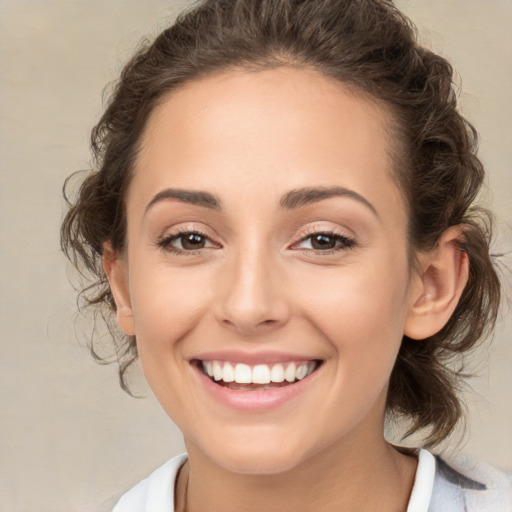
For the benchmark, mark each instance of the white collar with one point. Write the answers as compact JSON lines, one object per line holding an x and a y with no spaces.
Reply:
{"x":423,"y":482}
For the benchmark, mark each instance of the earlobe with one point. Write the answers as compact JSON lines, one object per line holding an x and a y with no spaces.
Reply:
{"x":442,"y":277}
{"x":115,"y":268}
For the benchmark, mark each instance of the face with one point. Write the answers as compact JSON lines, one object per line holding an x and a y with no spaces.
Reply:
{"x":266,"y":247}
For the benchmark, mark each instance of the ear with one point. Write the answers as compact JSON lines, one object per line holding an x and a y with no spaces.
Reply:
{"x":116,"y":270}
{"x":438,"y":286}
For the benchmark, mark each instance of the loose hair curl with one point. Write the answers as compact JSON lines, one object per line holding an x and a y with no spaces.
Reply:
{"x":371,"y":47}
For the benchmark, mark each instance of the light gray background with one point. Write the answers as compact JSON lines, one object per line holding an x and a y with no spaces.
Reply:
{"x":70,"y":439}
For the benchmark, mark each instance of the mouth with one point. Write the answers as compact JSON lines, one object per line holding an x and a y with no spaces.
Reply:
{"x":244,"y":377}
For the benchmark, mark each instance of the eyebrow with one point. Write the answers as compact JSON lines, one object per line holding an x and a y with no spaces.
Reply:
{"x":194,"y":197}
{"x":291,"y":200}
{"x":303,"y":196}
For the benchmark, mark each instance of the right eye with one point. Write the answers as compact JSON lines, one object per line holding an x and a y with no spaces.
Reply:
{"x":186,"y":242}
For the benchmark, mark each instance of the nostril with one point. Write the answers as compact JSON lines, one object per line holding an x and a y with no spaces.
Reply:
{"x":250,"y":326}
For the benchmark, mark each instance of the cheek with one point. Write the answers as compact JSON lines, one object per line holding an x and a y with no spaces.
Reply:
{"x":360,"y":308}
{"x":166,"y":305}
{"x":359,"y":313}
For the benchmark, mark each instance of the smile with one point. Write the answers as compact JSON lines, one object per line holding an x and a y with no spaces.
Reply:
{"x":242,"y":376}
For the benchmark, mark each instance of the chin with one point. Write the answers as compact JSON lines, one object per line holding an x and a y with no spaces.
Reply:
{"x":259,"y":463}
{"x":261,"y":455}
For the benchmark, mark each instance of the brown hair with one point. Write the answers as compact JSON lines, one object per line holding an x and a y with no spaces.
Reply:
{"x":370,"y":46}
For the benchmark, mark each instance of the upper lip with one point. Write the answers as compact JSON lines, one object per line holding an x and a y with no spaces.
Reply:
{"x":252,"y":358}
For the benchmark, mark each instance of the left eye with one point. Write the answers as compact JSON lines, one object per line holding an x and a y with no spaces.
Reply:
{"x":325,"y":242}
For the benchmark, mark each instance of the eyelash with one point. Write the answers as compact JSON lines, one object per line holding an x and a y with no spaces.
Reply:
{"x":165,"y":243}
{"x":343,"y":242}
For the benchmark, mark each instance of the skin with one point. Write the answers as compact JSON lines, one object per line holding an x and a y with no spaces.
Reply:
{"x":258,"y":284}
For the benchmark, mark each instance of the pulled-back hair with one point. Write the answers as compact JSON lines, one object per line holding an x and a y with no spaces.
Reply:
{"x":371,"y":47}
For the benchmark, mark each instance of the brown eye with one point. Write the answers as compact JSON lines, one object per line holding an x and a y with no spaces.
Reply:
{"x":191,"y":241}
{"x":323,"y":242}
{"x":186,"y":242}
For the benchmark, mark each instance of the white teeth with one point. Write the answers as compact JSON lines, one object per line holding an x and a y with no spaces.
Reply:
{"x":302,"y":371}
{"x":217,"y":370}
{"x":289,"y":373}
{"x":258,"y":374}
{"x":261,"y":374}
{"x":277,"y":373}
{"x":228,"y":373}
{"x":243,"y":374}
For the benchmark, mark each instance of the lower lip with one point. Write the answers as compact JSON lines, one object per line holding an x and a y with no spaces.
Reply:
{"x":255,"y":400}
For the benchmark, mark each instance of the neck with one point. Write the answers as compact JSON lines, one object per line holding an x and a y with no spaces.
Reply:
{"x":346,"y":477}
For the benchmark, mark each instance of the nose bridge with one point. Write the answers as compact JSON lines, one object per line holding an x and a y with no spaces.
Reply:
{"x":253,"y":298}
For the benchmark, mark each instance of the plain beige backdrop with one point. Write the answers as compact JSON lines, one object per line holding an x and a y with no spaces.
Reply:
{"x":70,"y":439}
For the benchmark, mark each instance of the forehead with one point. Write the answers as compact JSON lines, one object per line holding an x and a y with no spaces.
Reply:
{"x":276,"y":129}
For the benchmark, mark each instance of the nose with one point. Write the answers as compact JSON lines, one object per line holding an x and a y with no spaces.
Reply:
{"x":253,"y":297}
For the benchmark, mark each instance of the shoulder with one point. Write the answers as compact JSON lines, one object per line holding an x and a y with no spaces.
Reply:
{"x":466,"y":484}
{"x":155,"y":493}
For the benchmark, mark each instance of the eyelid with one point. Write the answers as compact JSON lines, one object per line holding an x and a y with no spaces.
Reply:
{"x":322,"y":228}
{"x":186,"y":226}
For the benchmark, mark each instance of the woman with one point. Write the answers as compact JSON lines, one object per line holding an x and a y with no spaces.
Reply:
{"x":282,"y":220}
